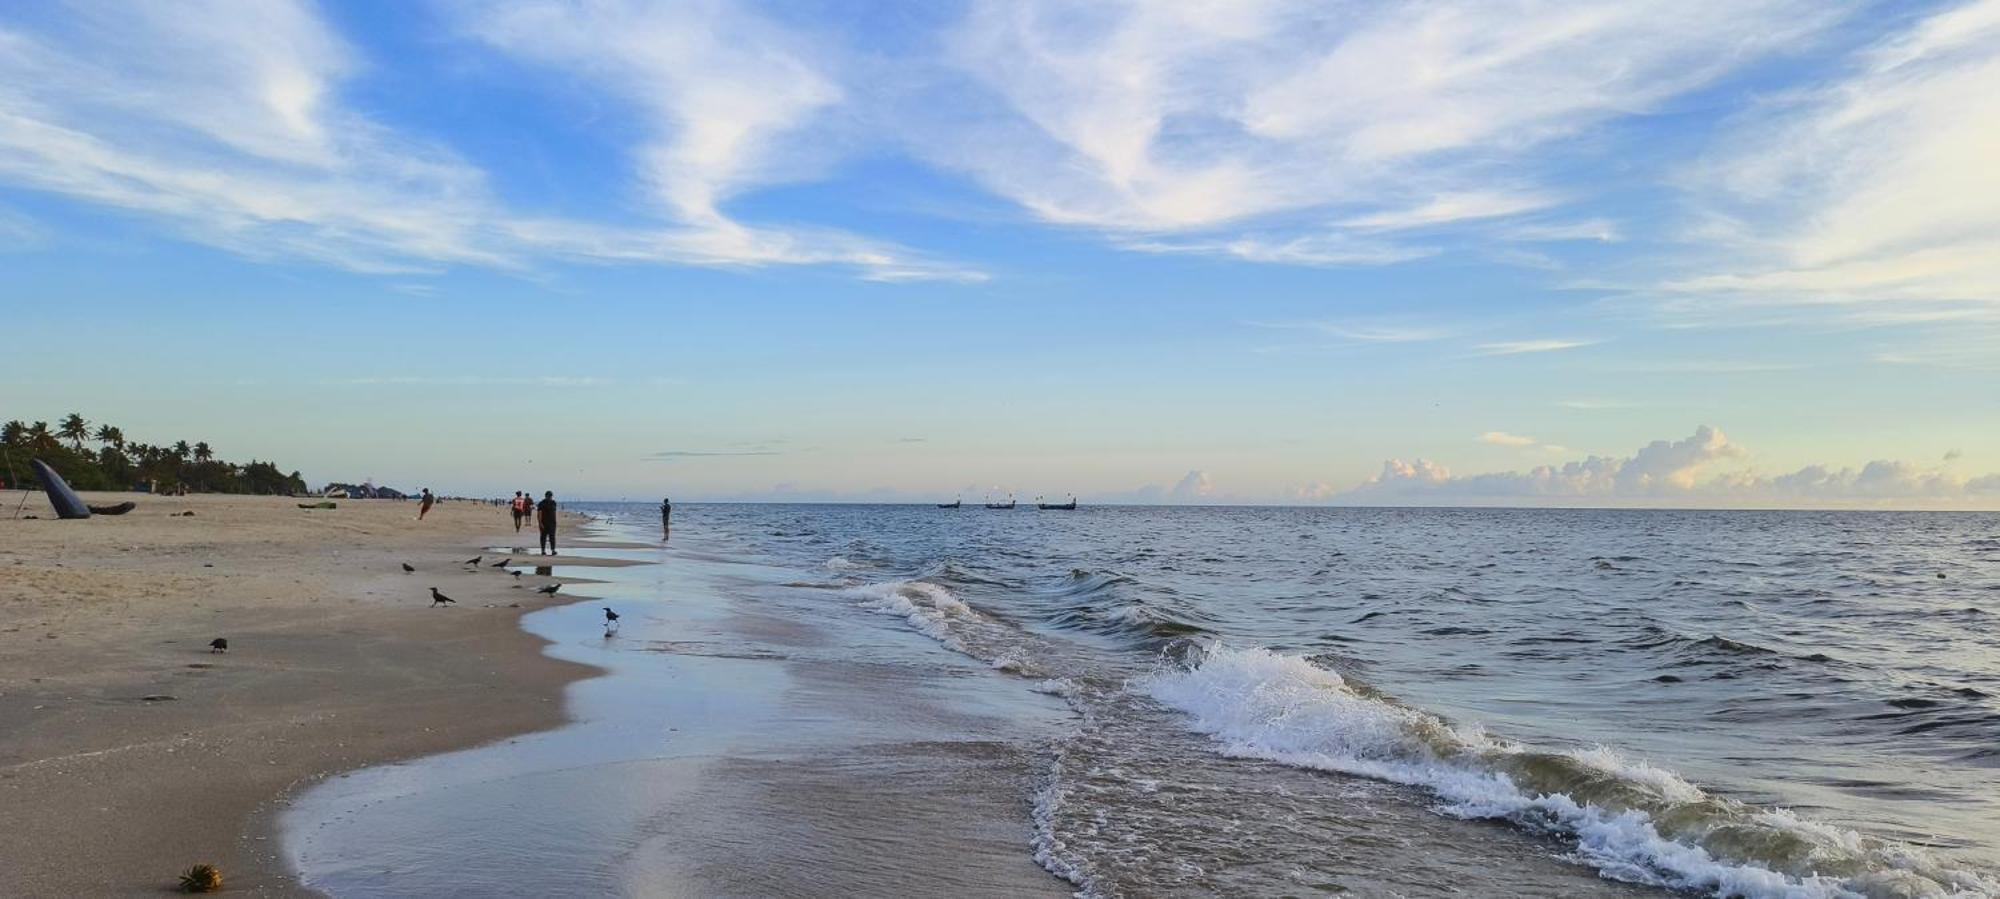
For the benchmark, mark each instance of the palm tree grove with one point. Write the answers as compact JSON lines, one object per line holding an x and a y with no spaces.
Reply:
{"x":115,"y":464}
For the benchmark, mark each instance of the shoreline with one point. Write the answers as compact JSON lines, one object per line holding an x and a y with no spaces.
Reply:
{"x":128,"y":751}
{"x":747,"y":739}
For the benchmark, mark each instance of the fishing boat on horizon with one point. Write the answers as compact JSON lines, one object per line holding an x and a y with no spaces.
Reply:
{"x":1060,"y":507}
{"x":1009,"y":504}
{"x":952,"y":505}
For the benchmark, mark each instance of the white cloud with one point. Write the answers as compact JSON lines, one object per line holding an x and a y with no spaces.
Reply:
{"x":1518,"y":347}
{"x":1690,"y":470}
{"x":1877,"y":188}
{"x":1449,"y":208}
{"x":1195,"y":485}
{"x":1502,"y":438}
{"x":1209,"y":120}
{"x":224,"y":119}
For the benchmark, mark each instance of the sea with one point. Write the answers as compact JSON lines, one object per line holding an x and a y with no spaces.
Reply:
{"x":1197,"y":701}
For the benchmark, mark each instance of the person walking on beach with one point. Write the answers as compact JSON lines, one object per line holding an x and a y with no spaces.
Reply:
{"x":424,"y":507}
{"x":666,"y":520}
{"x":546,"y":511}
{"x":520,"y":507}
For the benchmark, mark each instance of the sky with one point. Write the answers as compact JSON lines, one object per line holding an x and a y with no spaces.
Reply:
{"x":1686,"y":253}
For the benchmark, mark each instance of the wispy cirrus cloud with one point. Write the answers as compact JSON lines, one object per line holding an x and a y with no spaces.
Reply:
{"x":225,"y":121}
{"x":1870,"y":194}
{"x":1264,"y":131}
{"x":1520,"y":347}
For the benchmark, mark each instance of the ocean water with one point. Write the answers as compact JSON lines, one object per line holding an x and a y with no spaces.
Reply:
{"x":1198,"y":701}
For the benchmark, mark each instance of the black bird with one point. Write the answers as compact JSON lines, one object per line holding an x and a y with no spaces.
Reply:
{"x":219,"y":644}
{"x":472,"y":561}
{"x":550,"y":589}
{"x":439,"y":599}
{"x":406,"y":568}
{"x":610,"y":618}
{"x":515,"y":573}
{"x":501,"y":564}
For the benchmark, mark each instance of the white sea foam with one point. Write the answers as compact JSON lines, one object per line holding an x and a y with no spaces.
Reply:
{"x":1260,"y":704}
{"x":840,"y":563}
{"x":929,"y":608}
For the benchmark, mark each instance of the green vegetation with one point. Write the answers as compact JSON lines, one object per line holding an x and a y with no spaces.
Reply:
{"x":118,"y":465}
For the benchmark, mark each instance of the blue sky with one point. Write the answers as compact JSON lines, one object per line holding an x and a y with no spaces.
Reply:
{"x":1741,"y":253}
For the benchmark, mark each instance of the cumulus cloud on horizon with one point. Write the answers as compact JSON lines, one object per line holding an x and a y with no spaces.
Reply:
{"x":1689,"y":469}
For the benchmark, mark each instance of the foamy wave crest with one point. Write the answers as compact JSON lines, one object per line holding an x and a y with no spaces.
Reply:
{"x":840,"y":563}
{"x":1632,"y":821}
{"x":928,"y":607}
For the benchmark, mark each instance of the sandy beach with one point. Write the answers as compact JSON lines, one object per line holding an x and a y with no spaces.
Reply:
{"x":129,"y":751}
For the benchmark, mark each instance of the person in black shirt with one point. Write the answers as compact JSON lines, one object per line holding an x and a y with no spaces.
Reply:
{"x":545,"y":514}
{"x":666,"y":520}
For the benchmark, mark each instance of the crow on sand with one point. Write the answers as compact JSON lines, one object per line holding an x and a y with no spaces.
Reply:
{"x":407,"y":569}
{"x":439,"y":599}
{"x":610,"y":618}
{"x":501,"y":564}
{"x":472,"y":561}
{"x":550,"y":589}
{"x":219,"y":644}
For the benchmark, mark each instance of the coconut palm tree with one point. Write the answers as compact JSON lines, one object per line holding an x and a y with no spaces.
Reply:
{"x":111,"y":436}
{"x":179,"y":450}
{"x":75,"y":430}
{"x":14,"y":433}
{"x":202,"y":453}
{"x":41,"y":439}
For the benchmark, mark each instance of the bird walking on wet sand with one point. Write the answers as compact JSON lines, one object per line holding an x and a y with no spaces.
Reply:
{"x":219,"y":644}
{"x":407,"y":568}
{"x":502,"y":563}
{"x":439,"y":599}
{"x":473,"y":561}
{"x":610,"y":618}
{"x":550,"y":589}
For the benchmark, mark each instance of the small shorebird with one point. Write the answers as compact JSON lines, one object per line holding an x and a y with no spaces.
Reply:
{"x":439,"y":599}
{"x":501,"y":564}
{"x":550,"y":589}
{"x":219,"y":644}
{"x":407,"y":569}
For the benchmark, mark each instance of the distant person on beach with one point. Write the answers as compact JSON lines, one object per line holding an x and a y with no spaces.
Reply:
{"x":424,"y":507}
{"x":666,"y":520}
{"x":520,"y":507}
{"x":546,"y":511}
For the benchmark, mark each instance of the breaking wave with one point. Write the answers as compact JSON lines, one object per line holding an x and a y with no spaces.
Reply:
{"x":1632,"y":821}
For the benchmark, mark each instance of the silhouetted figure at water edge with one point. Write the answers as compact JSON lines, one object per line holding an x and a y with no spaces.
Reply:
{"x":545,"y":512}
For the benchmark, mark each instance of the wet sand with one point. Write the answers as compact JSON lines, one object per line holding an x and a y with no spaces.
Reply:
{"x":742,"y":744}
{"x":129,"y":751}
